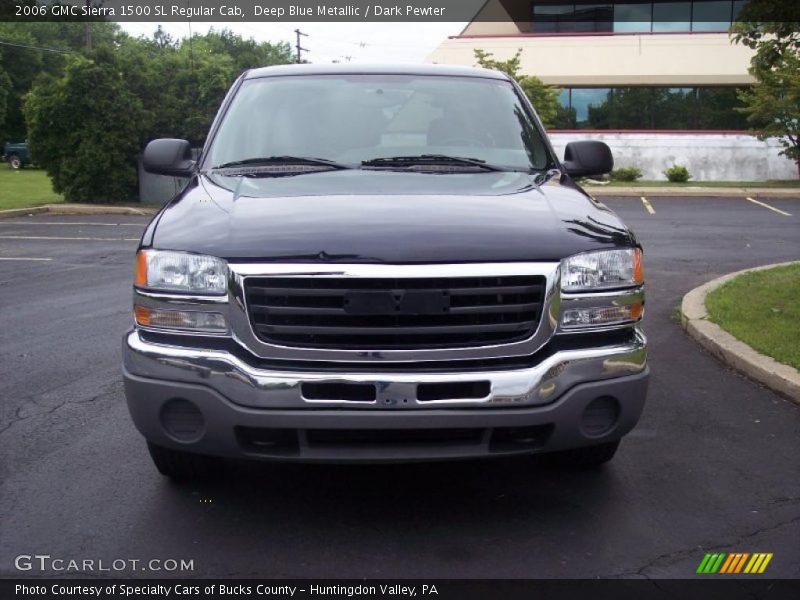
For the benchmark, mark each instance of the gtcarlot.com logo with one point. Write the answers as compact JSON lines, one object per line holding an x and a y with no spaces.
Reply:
{"x":734,"y":563}
{"x":45,"y":562}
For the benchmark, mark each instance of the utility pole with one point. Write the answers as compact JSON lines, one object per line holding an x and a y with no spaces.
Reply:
{"x":298,"y":47}
{"x":87,"y":28}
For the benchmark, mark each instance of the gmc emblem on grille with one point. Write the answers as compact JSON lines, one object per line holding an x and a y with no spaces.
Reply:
{"x":397,"y":302}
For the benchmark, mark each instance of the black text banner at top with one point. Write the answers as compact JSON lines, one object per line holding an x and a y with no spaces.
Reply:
{"x":259,"y":10}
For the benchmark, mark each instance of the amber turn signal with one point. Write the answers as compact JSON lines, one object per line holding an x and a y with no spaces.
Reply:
{"x":638,"y":268}
{"x":637,"y":310}
{"x":142,"y":314}
{"x":141,"y":269}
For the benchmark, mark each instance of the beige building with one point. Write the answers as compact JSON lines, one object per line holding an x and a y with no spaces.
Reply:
{"x":669,"y":57}
{"x":678,"y":59}
{"x":658,"y":80}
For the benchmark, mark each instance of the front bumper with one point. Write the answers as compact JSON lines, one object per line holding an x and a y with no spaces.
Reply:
{"x":253,"y":411}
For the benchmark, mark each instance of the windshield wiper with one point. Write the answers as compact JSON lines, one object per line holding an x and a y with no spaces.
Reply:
{"x":281,"y":161}
{"x":430,"y":160}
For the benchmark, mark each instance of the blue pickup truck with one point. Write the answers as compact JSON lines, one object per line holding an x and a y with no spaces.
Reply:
{"x":414,"y":275}
{"x":16,"y":155}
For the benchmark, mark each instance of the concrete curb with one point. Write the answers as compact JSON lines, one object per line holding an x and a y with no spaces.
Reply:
{"x":779,"y":377}
{"x":22,"y":212}
{"x":666,"y":192}
{"x":77,"y":209}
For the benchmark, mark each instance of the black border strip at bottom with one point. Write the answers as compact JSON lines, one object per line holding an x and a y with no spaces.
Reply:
{"x":727,"y":588}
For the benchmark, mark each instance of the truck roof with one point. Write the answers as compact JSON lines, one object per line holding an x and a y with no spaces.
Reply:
{"x":375,"y":69}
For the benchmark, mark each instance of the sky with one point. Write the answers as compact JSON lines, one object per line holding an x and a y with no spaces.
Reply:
{"x":328,"y":42}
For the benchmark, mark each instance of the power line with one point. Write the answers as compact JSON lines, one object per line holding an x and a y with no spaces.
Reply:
{"x":42,"y":48}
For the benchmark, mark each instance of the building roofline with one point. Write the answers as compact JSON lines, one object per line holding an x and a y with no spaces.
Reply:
{"x":545,"y":34}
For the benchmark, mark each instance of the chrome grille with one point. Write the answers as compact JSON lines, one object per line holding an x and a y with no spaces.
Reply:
{"x":394,"y":313}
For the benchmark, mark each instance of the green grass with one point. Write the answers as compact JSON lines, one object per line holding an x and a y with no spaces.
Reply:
{"x":761,"y":309}
{"x":791,"y":183}
{"x":25,"y":188}
{"x":676,"y":313}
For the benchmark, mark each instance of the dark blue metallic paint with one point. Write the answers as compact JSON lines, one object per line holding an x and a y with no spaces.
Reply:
{"x":386,"y":217}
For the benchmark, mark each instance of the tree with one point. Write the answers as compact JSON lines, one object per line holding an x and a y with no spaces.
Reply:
{"x":772,"y":105}
{"x":19,"y":67}
{"x":5,"y":89}
{"x":40,"y":51}
{"x":90,"y":114}
{"x":182,"y":83}
{"x":180,"y":88}
{"x":162,"y":39}
{"x":543,"y":97}
{"x":771,"y":28}
{"x":209,"y":65}
{"x":85,"y":129}
{"x":245,"y":53}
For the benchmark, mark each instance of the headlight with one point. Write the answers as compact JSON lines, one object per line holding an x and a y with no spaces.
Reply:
{"x":606,"y":269}
{"x":181,"y":272}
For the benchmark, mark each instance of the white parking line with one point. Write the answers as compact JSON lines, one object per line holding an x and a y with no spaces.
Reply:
{"x":648,"y":206}
{"x":765,"y":205}
{"x":22,"y":258}
{"x":80,"y":239}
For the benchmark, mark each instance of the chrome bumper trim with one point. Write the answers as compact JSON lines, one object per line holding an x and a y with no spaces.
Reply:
{"x":249,"y":386}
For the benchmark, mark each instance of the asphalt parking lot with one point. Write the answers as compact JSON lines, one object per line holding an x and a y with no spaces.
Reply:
{"x":712,"y":466}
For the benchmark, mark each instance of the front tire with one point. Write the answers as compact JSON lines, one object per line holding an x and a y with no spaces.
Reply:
{"x":14,"y":162}
{"x":183,"y":466}
{"x":588,"y":456}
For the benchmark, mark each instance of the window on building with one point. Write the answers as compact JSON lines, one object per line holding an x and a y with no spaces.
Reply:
{"x":671,"y":16}
{"x":594,"y":17}
{"x":554,"y":18}
{"x":712,"y":16}
{"x":676,"y":108}
{"x":738,"y":5}
{"x":591,"y":107}
{"x":650,"y":107}
{"x":633,"y":16}
{"x":715,"y":108}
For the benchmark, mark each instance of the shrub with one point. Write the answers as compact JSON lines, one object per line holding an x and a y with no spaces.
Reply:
{"x":678,"y":174}
{"x":85,"y":130}
{"x":626,"y":174}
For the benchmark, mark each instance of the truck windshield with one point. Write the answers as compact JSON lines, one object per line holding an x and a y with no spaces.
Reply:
{"x":351,"y":119}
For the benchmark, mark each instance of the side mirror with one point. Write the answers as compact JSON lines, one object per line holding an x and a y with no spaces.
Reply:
{"x":168,"y":156}
{"x":588,"y":158}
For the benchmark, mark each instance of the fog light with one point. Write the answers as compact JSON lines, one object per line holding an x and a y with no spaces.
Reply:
{"x":182,"y":420}
{"x":189,"y":320}
{"x":601,"y":315}
{"x":600,"y":416}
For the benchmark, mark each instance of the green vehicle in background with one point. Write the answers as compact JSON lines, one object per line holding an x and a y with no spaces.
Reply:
{"x":16,"y":155}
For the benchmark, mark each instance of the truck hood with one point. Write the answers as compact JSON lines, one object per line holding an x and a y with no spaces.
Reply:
{"x":386,"y":217}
